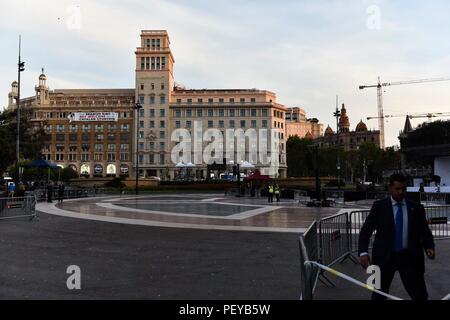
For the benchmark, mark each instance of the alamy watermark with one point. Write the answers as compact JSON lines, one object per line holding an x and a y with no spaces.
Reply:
{"x":259,"y":147}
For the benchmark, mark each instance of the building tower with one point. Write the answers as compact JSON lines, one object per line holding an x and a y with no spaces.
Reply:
{"x":344,"y":123}
{"x":154,"y":84}
{"x":12,"y":95}
{"x":41,"y":89}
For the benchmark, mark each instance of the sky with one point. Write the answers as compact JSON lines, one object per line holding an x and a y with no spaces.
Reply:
{"x":306,"y":51}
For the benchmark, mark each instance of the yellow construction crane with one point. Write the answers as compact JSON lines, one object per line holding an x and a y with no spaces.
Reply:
{"x":379,"y":87}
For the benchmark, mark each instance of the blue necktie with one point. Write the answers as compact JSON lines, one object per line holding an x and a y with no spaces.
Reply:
{"x":398,"y":244}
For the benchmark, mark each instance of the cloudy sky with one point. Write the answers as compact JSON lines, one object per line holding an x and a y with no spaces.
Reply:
{"x":305,"y":51}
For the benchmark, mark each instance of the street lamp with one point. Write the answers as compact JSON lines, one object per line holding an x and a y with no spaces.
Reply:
{"x":20,"y":68}
{"x":337,"y":114}
{"x":137,"y":107}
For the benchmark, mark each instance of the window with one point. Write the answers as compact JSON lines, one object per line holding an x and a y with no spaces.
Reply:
{"x":188,"y":124}
{"x":162,"y":112}
{"x":200,"y":101}
{"x":231,"y":123}
{"x":210,"y":124}
{"x":178,"y":113}
{"x":60,"y":157}
{"x":112,"y":127}
{"x":177,"y":124}
{"x":72,"y":157}
{"x":189,"y":101}
{"x":151,"y":145}
{"x":162,"y":99}
{"x":111,"y":137}
{"x":111,"y":157}
{"x":162,"y":145}
{"x":242,"y":100}
{"x":48,"y":128}
{"x":152,"y":99}
{"x":163,"y":63}
{"x":99,"y":148}
{"x":98,"y":156}
{"x":152,"y":113}
{"x":152,"y":159}
{"x":60,"y":127}
{"x":85,"y":157}
{"x":85,"y":137}
{"x":125,"y":127}
{"x":99,"y":128}
{"x":124,"y":147}
{"x":141,"y":124}
{"x":221,"y":112}
{"x":111,"y":147}
{"x":73,"y":137}
{"x":73,"y":128}
{"x":141,"y":99}
{"x":242,"y":123}
{"x":153,"y":86}
{"x":161,"y":158}
{"x":210,"y":100}
{"x":141,"y":158}
{"x":141,"y":134}
{"x":178,"y":101}
{"x":221,"y":124}
{"x":231,"y":112}
{"x":142,"y":86}
{"x":264,"y":123}
{"x":141,"y":113}
{"x":60,"y":137}
{"x":147,"y":63}
{"x":252,"y":100}
{"x":199,"y":113}
{"x":151,"y":124}
{"x":253,"y":112}
{"x":264,"y":112}
{"x":221,"y":100}
{"x":162,"y":124}
{"x":253,"y":124}
{"x":210,"y":112}
{"x":153,"y":63}
{"x":142,"y":63}
{"x":124,"y":157}
{"x":231,"y":100}
{"x":189,"y":113}
{"x":162,"y":86}
{"x":242,"y":112}
{"x":141,"y":146}
{"x":162,"y":134}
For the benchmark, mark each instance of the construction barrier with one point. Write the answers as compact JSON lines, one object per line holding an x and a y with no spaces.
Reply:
{"x":18,"y":207}
{"x":308,"y":246}
{"x":334,"y":239}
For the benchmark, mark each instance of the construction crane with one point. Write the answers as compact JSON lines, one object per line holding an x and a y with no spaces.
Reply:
{"x":380,"y":86}
{"x":430,"y":115}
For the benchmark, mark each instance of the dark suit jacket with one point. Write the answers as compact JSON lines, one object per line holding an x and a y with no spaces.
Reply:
{"x":381,"y":219}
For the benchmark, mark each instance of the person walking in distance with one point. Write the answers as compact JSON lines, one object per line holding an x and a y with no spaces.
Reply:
{"x":402,"y":237}
{"x":270,"y":193}
{"x":61,"y":192}
{"x":277,"y":193}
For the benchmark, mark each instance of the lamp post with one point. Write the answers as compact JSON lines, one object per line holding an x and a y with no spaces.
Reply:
{"x":137,"y":107}
{"x":337,"y":114}
{"x":20,"y":68}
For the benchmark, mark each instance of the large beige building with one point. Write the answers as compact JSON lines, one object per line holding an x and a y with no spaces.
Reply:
{"x":167,"y":107}
{"x":109,"y":148}
{"x":297,"y":124}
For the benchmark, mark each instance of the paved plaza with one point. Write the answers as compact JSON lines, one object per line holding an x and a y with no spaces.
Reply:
{"x":184,"y":246}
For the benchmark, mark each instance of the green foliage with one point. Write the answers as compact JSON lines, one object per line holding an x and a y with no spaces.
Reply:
{"x":32,"y":137}
{"x":300,"y":160}
{"x":115,"y":183}
{"x":434,"y":133}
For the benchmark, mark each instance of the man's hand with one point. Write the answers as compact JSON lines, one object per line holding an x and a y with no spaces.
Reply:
{"x":430,"y":254}
{"x":364,"y":261}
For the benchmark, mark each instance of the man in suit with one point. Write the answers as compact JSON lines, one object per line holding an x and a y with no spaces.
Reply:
{"x":402,"y":236}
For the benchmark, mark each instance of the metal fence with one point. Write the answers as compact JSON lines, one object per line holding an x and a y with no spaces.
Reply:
{"x":69,"y":193}
{"x":17,"y":207}
{"x":334,"y":239}
{"x":438,"y":221}
{"x":308,"y":246}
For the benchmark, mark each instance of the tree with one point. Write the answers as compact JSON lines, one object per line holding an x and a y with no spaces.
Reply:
{"x":299,"y":160}
{"x":32,"y":137}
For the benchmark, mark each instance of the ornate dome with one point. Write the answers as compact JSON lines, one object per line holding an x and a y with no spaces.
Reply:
{"x":361,"y":127}
{"x":329,"y":131}
{"x":14,"y":84}
{"x":42,"y":77}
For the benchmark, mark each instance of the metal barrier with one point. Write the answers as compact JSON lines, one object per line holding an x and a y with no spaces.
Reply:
{"x":334,"y":239}
{"x":356,"y":221}
{"x":69,"y":193}
{"x":308,"y":247}
{"x":438,"y":221}
{"x":435,"y":198}
{"x":18,"y":207}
